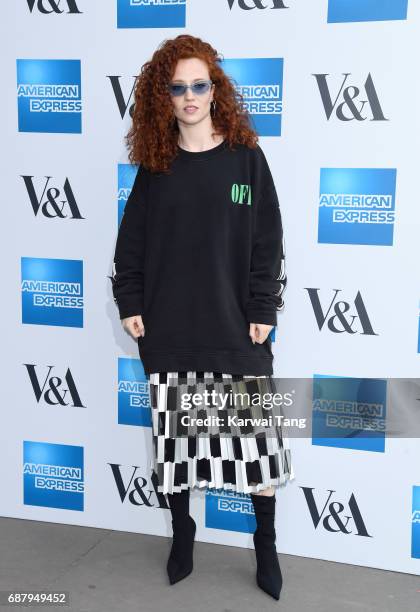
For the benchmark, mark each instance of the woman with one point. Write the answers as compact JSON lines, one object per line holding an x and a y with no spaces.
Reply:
{"x":198,"y":277}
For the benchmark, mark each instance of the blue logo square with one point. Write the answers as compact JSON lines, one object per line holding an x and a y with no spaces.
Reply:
{"x":229,"y":510}
{"x":53,"y":475}
{"x":49,"y":95}
{"x":260,"y":82}
{"x":52,"y":291}
{"x":126,"y":175}
{"x":366,"y":10}
{"x":133,"y":393}
{"x":357,"y":206}
{"x":151,"y":13}
{"x":415,"y":524}
{"x":349,"y":413}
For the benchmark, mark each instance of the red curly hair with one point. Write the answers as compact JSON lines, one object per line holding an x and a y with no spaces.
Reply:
{"x":153,"y":137}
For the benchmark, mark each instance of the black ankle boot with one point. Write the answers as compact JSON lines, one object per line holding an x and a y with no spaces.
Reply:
{"x":269,"y":577}
{"x":180,"y":561}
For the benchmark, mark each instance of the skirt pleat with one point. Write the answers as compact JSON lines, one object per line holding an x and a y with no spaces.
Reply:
{"x":241,"y":458}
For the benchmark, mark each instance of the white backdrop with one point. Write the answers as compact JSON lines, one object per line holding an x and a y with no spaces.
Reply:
{"x":115,"y":488}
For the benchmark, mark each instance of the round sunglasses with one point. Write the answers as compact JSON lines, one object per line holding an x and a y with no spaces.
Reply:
{"x":199,"y":87}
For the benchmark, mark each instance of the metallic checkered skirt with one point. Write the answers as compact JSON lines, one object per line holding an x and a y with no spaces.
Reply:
{"x":235,"y":447}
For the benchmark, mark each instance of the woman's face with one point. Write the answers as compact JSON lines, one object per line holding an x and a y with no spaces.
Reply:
{"x":191,"y":108}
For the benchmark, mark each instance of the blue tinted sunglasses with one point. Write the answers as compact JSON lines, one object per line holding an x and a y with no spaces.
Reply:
{"x":199,"y":87}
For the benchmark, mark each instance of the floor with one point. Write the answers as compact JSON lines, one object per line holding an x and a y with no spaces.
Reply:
{"x":110,"y":571}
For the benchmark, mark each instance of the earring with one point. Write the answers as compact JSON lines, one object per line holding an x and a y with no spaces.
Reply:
{"x":214,"y":107}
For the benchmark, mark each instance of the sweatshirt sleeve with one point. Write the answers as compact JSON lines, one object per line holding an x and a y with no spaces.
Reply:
{"x":128,"y":265}
{"x":267,"y":274}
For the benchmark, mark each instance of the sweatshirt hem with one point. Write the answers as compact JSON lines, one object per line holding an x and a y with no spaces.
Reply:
{"x":225,"y":362}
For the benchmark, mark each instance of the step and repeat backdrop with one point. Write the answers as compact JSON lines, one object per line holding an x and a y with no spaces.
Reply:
{"x":332,"y":89}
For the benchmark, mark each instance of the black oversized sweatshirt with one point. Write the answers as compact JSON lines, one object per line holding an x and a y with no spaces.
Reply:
{"x":200,"y":255}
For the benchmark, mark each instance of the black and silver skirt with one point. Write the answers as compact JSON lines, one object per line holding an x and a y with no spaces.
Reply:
{"x":235,"y":446}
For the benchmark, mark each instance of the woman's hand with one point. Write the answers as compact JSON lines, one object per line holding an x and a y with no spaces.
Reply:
{"x":134,"y":326}
{"x":259,"y":332}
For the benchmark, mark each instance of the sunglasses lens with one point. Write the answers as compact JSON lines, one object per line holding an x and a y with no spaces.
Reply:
{"x":200,"y":88}
{"x":177,"y":90}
